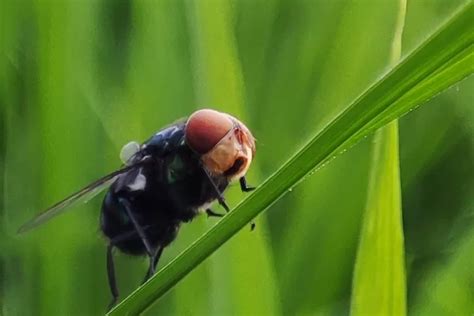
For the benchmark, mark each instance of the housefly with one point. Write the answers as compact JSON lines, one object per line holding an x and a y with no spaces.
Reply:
{"x":166,"y":181}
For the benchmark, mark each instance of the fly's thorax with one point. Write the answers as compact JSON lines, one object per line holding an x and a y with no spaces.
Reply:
{"x":178,"y":167}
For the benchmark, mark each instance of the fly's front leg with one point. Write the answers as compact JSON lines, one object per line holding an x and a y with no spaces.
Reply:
{"x":244,"y":186}
{"x":220,"y":197}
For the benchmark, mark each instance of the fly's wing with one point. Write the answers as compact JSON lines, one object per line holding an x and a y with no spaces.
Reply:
{"x":82,"y":195}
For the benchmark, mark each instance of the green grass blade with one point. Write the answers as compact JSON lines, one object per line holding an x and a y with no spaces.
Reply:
{"x":365,"y":113}
{"x":379,"y":284}
{"x":379,"y":276}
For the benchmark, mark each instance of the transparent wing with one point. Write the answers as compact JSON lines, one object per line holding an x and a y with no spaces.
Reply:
{"x":82,"y":195}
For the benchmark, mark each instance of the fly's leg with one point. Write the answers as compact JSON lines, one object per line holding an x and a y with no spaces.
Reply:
{"x":111,"y":267}
{"x":223,"y":203}
{"x":244,"y":186}
{"x":111,"y":276}
{"x":211,"y":213}
{"x":110,"y":264}
{"x":220,"y":197}
{"x":154,"y":255}
{"x":153,"y":263}
{"x":138,"y":228}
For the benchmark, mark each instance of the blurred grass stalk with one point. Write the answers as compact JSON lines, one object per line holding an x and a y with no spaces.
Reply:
{"x":379,"y":282}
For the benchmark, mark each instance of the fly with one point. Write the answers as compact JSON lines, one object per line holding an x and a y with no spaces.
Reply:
{"x":166,"y":181}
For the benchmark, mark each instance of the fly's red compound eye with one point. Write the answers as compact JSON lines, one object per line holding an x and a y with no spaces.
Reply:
{"x":205,"y":128}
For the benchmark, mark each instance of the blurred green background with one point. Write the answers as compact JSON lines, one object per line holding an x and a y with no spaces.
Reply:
{"x":81,"y":78}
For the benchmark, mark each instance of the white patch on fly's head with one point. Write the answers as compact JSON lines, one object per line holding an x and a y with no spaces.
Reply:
{"x":139,"y":183}
{"x":129,"y":150}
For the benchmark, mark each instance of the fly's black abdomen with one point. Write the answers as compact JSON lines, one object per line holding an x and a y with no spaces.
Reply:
{"x":160,"y":229}
{"x":162,"y":194}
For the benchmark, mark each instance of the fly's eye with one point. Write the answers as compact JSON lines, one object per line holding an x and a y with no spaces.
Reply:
{"x":205,"y":128}
{"x":238,"y":163}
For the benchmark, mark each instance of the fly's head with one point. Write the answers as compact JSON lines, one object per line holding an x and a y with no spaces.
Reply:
{"x":225,"y":144}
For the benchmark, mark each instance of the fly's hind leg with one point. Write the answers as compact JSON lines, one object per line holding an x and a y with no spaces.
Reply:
{"x":139,"y":229}
{"x":111,"y":266}
{"x":111,"y":276}
{"x":153,"y":263}
{"x":153,"y":254}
